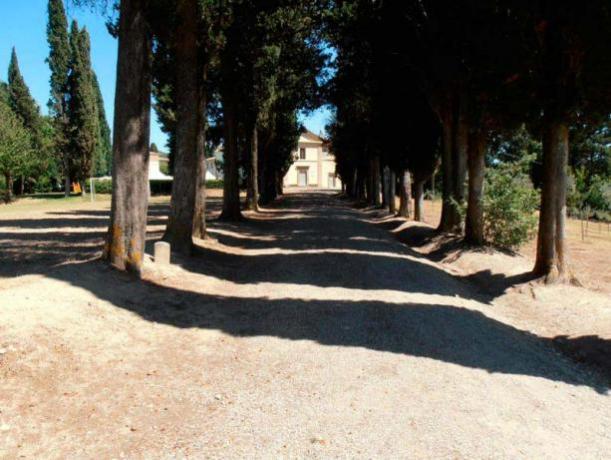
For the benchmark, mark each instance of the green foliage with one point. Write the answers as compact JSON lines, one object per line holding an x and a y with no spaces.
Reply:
{"x":589,"y":194}
{"x":16,"y":154}
{"x":217,"y":184}
{"x":510,"y":202}
{"x":22,"y":102}
{"x":59,"y":64}
{"x":158,"y":187}
{"x":59,"y":56}
{"x":82,"y":109}
{"x":103,"y":151}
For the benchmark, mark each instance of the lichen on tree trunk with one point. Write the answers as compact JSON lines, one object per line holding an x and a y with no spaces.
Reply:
{"x":126,"y":234}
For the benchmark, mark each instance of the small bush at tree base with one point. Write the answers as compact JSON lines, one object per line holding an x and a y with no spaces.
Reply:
{"x":510,"y":202}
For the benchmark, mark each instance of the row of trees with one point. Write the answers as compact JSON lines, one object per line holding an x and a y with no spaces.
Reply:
{"x":418,"y":85}
{"x":74,"y":141}
{"x":81,"y":133}
{"x":25,"y":134}
{"x":238,"y":70}
{"x":415,"y":78}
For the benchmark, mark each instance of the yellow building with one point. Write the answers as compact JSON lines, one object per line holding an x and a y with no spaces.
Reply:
{"x":313,"y":165}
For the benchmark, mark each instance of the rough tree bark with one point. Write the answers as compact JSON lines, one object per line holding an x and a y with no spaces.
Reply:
{"x":369,"y":185}
{"x":392,"y":189}
{"x":231,"y":186}
{"x":252,"y":195}
{"x":199,"y":217}
{"x":419,"y":198}
{"x":448,"y":215}
{"x":551,"y":262}
{"x":474,"y":226}
{"x":67,"y":186}
{"x":8,"y":180}
{"x":179,"y":231}
{"x":126,"y":235}
{"x":361,"y":184}
{"x":377,"y":184}
{"x":405,"y":194}
{"x":385,"y":186}
{"x":460,"y":154}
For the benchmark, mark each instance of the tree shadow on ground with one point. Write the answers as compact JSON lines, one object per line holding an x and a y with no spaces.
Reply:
{"x":441,"y":332}
{"x":448,"y":248}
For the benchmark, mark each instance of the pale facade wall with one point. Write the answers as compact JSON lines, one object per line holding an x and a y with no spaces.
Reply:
{"x":317,"y":167}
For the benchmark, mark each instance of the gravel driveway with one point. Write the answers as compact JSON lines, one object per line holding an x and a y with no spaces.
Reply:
{"x":305,"y":331}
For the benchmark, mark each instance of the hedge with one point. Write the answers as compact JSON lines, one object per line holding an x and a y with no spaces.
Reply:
{"x":158,"y":187}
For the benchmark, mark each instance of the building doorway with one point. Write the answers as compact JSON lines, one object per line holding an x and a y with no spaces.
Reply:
{"x":302,"y":177}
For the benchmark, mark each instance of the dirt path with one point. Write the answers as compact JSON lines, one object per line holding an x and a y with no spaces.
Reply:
{"x":304,"y":332}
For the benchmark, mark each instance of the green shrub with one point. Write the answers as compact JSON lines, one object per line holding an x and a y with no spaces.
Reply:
{"x":43,"y":185}
{"x":102,"y":186}
{"x":214,"y":184}
{"x":510,"y":202}
{"x":158,"y":187}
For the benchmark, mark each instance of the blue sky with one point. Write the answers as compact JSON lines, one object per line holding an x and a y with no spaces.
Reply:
{"x":23,"y":25}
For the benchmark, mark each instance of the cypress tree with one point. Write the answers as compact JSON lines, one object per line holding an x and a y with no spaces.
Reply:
{"x":82,"y":113}
{"x":22,"y":102}
{"x":59,"y":63}
{"x":15,"y":143}
{"x":103,"y":155}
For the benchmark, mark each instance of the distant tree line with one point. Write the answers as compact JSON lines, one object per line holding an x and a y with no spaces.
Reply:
{"x":81,"y":133}
{"x":73,"y":142}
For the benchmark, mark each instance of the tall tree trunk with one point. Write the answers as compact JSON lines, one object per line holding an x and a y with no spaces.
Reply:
{"x":392,"y":188}
{"x":361,"y":184}
{"x":419,"y":199}
{"x":551,"y":260}
{"x":179,"y":231}
{"x":67,"y":186}
{"x":474,"y":228}
{"x":231,"y":184}
{"x":385,"y":186}
{"x":405,"y":192}
{"x":377,"y":183}
{"x":252,"y":201}
{"x":199,"y":217}
{"x":279,"y":188}
{"x":126,"y":235}
{"x":433,"y":191}
{"x":448,"y":214}
{"x":369,"y":186}
{"x":460,"y":154}
{"x":8,"y":180}
{"x":22,"y":185}
{"x":351,"y":186}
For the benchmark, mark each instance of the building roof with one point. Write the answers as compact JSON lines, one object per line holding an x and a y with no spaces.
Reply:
{"x":309,"y":136}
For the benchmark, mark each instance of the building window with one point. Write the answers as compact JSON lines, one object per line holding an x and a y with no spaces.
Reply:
{"x":325,"y":151}
{"x":302,"y":153}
